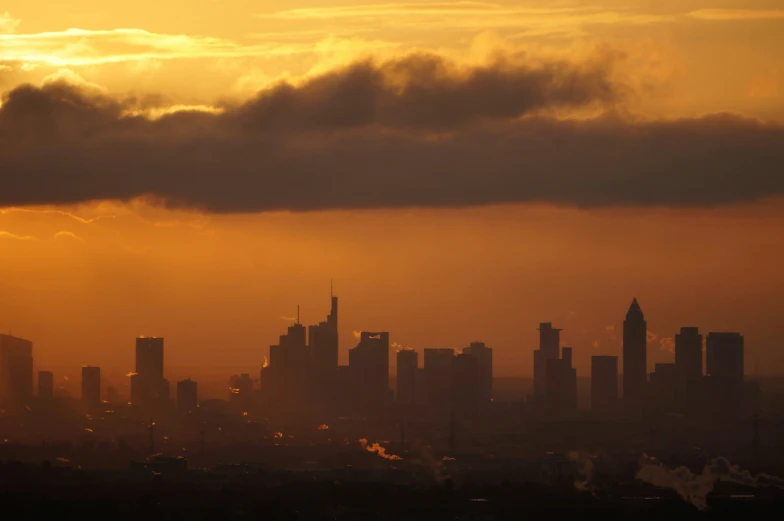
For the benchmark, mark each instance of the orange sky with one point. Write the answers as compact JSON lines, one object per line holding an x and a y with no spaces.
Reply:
{"x":82,"y":279}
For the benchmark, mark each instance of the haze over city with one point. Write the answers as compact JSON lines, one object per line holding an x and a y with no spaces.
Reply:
{"x":555,"y":230}
{"x":339,"y":176}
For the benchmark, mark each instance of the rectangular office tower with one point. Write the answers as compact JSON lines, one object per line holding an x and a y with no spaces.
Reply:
{"x":485,"y":356}
{"x":149,"y":357}
{"x":16,"y":370}
{"x":147,"y":384}
{"x":725,"y":386}
{"x":368,"y":365}
{"x":561,"y":383}
{"x":91,"y":387}
{"x":187,"y":397}
{"x":724,"y":356}
{"x":466,"y":379}
{"x":437,"y":377}
{"x":45,"y":385}
{"x":664,"y":389}
{"x":407,"y":365}
{"x":604,"y":383}
{"x":688,"y":363}
{"x":549,"y":347}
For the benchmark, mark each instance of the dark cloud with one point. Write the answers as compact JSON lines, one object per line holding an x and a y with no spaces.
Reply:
{"x":426,"y":92}
{"x":413,"y":132}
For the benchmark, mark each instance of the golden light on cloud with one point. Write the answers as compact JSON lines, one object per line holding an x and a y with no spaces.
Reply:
{"x":414,"y":9}
{"x":737,"y":14}
{"x":65,"y":234}
{"x":8,"y":24}
{"x":216,"y":165}
{"x":9,"y":235}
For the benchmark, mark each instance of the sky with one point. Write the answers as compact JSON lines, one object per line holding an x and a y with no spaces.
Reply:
{"x":461,"y":170}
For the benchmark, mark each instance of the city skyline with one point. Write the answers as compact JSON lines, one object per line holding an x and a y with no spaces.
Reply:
{"x":379,"y":259}
{"x":317,"y":347}
{"x":657,"y":175}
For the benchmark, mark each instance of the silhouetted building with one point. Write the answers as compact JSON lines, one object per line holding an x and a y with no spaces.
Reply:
{"x":91,"y":387}
{"x":149,"y":386}
{"x":323,"y":363}
{"x":187,"y":396}
{"x":302,"y":373}
{"x":16,"y":370}
{"x":345,"y":389}
{"x":285,"y":381}
{"x":549,"y":347}
{"x":407,"y":365}
{"x":240,"y":389}
{"x":437,"y":376}
{"x":635,"y":352}
{"x":45,"y":385}
{"x":561,"y":381}
{"x":663,"y":388}
{"x":323,"y":342}
{"x":369,"y":368}
{"x":485,"y":356}
{"x":149,"y":357}
{"x":604,"y":383}
{"x":724,"y":356}
{"x":688,"y":364}
{"x":466,"y":379}
{"x":137,"y":392}
{"x":726,"y":394}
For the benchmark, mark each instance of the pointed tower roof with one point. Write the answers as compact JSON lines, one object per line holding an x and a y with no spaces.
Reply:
{"x":635,"y":312}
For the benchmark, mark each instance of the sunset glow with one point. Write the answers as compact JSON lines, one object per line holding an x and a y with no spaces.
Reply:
{"x":462,"y":170}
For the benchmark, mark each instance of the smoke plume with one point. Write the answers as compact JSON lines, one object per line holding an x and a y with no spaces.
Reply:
{"x":584,"y":470}
{"x":694,"y":488}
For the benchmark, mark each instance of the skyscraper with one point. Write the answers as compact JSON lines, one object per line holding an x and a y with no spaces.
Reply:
{"x":323,"y":342}
{"x":485,"y":356}
{"x":286,"y":378}
{"x":688,"y":363}
{"x":91,"y":387}
{"x":466,"y":378}
{"x":149,"y":357}
{"x":724,"y":357}
{"x":664,"y":389}
{"x":549,"y":348}
{"x":187,"y":397}
{"x":561,"y":383}
{"x":149,"y":386}
{"x":45,"y":385}
{"x":369,"y":368}
{"x":437,"y":377}
{"x":635,"y":375}
{"x":16,"y":370}
{"x":604,"y":383}
{"x":322,"y":379}
{"x":407,"y":365}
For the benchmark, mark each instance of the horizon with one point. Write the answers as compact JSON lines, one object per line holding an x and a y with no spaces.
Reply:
{"x":462,"y":170}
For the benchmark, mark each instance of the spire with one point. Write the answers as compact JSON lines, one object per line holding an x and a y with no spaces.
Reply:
{"x":635,"y":312}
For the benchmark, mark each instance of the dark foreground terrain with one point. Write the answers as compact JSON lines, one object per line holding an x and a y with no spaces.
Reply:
{"x":53,"y":493}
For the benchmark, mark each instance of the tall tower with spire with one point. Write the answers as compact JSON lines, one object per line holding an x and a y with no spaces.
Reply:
{"x":635,"y":371}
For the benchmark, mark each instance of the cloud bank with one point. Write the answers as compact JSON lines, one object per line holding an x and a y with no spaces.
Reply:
{"x":418,"y":131}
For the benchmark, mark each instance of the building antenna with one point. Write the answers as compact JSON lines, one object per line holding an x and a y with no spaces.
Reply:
{"x":331,"y":293}
{"x":297,"y":313}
